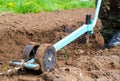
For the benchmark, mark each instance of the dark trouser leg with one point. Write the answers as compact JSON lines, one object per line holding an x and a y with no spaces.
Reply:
{"x":107,"y":32}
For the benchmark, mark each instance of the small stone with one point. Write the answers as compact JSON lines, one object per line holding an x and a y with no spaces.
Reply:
{"x":81,"y":51}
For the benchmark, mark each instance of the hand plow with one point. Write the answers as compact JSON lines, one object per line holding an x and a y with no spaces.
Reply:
{"x":43,"y":56}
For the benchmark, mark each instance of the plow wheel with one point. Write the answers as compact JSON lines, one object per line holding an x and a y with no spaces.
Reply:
{"x":29,"y":50}
{"x":46,"y":57}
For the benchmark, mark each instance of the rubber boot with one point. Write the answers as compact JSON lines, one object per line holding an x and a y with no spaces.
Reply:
{"x":115,"y":41}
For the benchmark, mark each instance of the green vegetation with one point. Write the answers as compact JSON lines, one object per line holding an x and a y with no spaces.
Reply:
{"x":88,"y":45}
{"x":6,"y":67}
{"x":64,"y":52}
{"x":26,"y":6}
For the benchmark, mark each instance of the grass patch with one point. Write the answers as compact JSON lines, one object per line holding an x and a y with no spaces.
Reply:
{"x":35,"y":6}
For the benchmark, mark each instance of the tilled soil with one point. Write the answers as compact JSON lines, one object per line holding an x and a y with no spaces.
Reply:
{"x":75,"y":62}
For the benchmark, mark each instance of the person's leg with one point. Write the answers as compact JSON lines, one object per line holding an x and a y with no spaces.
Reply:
{"x":115,"y":19}
{"x":106,"y":30}
{"x":105,"y":10}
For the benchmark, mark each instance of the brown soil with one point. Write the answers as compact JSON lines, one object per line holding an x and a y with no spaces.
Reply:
{"x":76,"y":61}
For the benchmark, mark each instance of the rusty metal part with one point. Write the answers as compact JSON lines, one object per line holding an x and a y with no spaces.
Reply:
{"x":30,"y":50}
{"x":46,"y":57}
{"x":87,"y":38}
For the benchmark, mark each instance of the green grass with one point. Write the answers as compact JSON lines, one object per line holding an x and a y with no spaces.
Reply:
{"x":35,"y":6}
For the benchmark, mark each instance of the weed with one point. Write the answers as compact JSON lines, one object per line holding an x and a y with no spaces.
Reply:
{"x":88,"y":45}
{"x":64,"y":52}
{"x":6,"y":67}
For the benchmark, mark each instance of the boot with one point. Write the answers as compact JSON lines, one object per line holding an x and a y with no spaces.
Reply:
{"x":115,"y":41}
